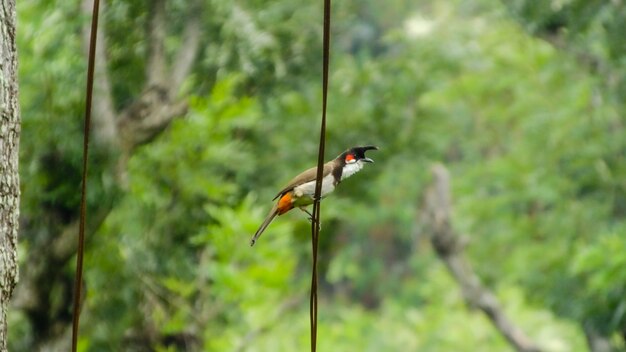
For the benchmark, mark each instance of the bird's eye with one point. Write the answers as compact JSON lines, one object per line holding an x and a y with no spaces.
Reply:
{"x":350,"y":158}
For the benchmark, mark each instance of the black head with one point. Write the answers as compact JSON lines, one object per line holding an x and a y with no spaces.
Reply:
{"x":355,"y":154}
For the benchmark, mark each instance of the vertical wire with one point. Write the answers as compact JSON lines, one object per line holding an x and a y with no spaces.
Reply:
{"x":315,"y":223}
{"x":78,"y":278}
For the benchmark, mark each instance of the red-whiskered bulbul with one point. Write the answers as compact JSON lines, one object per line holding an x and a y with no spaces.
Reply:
{"x":300,"y":192}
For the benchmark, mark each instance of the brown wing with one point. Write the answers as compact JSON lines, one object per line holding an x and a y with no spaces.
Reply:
{"x":307,"y":176}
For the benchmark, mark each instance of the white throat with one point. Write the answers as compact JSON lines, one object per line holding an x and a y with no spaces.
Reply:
{"x":351,"y":169}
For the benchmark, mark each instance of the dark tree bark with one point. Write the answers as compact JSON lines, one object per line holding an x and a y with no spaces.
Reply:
{"x":449,"y":247}
{"x":116,"y":134}
{"x":9,"y":177}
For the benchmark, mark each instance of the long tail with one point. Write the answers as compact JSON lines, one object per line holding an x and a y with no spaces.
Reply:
{"x":265,"y":224}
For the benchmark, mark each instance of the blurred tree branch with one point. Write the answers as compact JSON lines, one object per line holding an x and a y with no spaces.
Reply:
{"x":155,"y":107}
{"x":156,"y":70}
{"x":188,"y":52}
{"x":449,"y":247}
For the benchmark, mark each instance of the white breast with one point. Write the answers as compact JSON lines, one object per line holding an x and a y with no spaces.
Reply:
{"x":351,"y":169}
{"x":308,"y":189}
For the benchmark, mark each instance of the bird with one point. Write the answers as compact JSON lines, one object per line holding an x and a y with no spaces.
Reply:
{"x":300,"y":191}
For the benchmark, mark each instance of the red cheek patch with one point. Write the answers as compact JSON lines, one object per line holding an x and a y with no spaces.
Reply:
{"x":349,"y":157}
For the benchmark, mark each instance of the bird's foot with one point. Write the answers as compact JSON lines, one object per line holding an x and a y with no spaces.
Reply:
{"x":306,"y":211}
{"x":320,"y":223}
{"x":310,"y":218}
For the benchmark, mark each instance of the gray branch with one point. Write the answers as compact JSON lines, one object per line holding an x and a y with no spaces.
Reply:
{"x":148,"y":116}
{"x":156,"y":67}
{"x":189,"y":50}
{"x":449,"y":248}
{"x":156,"y":107}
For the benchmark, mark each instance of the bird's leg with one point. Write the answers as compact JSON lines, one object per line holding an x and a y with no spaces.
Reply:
{"x":310,"y":216}
{"x":306,"y":211}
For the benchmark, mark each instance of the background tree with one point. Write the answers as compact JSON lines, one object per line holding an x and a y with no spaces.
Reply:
{"x":9,"y":177}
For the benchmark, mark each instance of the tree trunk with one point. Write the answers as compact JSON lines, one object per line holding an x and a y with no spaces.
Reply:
{"x":9,"y":178}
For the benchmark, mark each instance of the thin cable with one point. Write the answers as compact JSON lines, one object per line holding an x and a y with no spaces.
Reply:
{"x":78,"y":278}
{"x":315,"y":223}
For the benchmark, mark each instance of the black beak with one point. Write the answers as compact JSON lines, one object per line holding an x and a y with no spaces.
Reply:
{"x":364,"y":149}
{"x":369,"y":147}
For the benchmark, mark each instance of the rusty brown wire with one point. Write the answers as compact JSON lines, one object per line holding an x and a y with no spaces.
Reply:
{"x":315,"y":223}
{"x":78,"y":278}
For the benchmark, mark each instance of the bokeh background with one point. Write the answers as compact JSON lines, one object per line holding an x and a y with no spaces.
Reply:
{"x":205,"y":108}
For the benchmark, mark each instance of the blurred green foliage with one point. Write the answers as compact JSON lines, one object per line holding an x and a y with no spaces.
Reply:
{"x":533,"y":136}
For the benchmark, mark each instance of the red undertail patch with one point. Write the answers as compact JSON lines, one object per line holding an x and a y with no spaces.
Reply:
{"x":284,"y":203}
